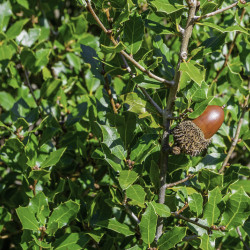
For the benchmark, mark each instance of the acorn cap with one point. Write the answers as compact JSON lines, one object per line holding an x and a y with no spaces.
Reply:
{"x":190,"y":138}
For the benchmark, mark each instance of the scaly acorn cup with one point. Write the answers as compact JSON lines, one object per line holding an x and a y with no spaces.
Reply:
{"x":192,"y":137}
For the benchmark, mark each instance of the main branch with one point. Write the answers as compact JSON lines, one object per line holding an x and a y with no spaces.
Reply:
{"x":128,"y":57}
{"x":168,"y":112}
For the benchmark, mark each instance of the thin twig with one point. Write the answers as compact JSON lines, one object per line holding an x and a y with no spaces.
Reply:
{"x":190,"y":237}
{"x":215,"y":12}
{"x":168,"y":112}
{"x":154,"y":104}
{"x":237,"y":133}
{"x":107,"y":87}
{"x":128,"y":57}
{"x":129,"y":211}
{"x":2,"y":237}
{"x":190,"y":176}
{"x":179,"y":216}
{"x":31,"y":90}
{"x":230,"y":50}
{"x":241,"y":238}
{"x":183,"y":208}
{"x":133,"y":216}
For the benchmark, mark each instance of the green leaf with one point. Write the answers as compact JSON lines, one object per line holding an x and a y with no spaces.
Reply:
{"x":90,"y":56}
{"x":206,"y":243}
{"x":42,"y":58}
{"x":137,"y":105}
{"x":177,"y":162}
{"x":127,"y":178}
{"x":27,"y":218}
{"x":214,"y":43}
{"x":112,"y":140}
{"x":241,"y":183}
{"x":167,"y":6}
{"x":212,"y":211}
{"x":53,"y":158}
{"x":63,"y":214}
{"x":116,"y":226}
{"x":114,"y":49}
{"x":197,"y":93}
{"x":237,"y":209}
{"x":170,"y":238}
{"x":74,"y":61}
{"x":195,"y":202}
{"x":148,"y":225}
{"x":50,"y":87}
{"x":161,"y":209}
{"x":208,"y":7}
{"x":71,"y":241}
{"x":133,"y":33}
{"x":210,"y":179}
{"x":154,"y":174}
{"x":6,"y":52}
{"x":221,"y":29}
{"x":96,"y":234}
{"x":28,"y":59}
{"x":194,"y":73}
{"x":24,"y":3}
{"x":6,"y":12}
{"x":39,"y":206}
{"x":125,"y":125}
{"x":7,"y":101}
{"x":29,"y":38}
{"x":211,"y":161}
{"x":137,"y":195}
{"x":144,"y":147}
{"x":16,"y":28}
{"x":41,"y":244}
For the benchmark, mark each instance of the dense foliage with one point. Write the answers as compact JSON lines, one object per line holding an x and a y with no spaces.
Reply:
{"x":80,"y":143}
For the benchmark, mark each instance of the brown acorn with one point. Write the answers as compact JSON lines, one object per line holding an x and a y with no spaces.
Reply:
{"x":192,"y":137}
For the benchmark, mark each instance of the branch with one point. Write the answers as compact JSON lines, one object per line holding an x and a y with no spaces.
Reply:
{"x":112,"y":102}
{"x":168,"y":112}
{"x":241,"y":238}
{"x":237,"y":133}
{"x":230,"y":50}
{"x":183,"y":208}
{"x":197,"y":18}
{"x":128,"y":210}
{"x":190,"y":176}
{"x":128,"y":57}
{"x":154,"y":104}
{"x":179,"y":216}
{"x":31,"y":90}
{"x":134,"y":217}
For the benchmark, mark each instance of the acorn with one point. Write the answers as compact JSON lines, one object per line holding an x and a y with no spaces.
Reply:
{"x":194,"y":136}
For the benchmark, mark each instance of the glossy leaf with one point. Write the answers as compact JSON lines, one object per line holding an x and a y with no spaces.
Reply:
{"x":136,"y":194}
{"x":170,"y":238}
{"x":212,"y":211}
{"x":127,"y":178}
{"x":236,"y":212}
{"x":195,"y":202}
{"x":148,"y":225}
{"x":116,"y":226}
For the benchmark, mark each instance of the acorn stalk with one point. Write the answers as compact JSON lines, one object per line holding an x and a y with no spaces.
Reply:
{"x":193,"y":136}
